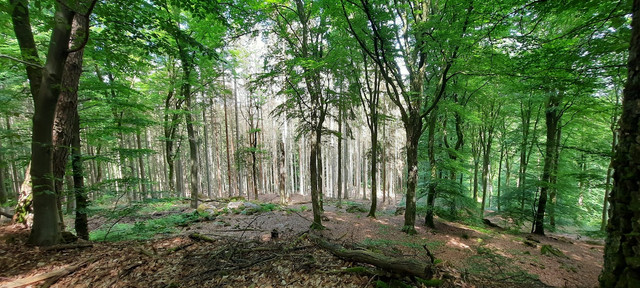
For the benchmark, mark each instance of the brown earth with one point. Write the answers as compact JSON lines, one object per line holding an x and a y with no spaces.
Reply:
{"x":242,"y":253}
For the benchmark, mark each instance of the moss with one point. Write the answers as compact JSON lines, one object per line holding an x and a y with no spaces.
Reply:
{"x":548,"y":249}
{"x":409,"y":230}
{"x":633,"y":262}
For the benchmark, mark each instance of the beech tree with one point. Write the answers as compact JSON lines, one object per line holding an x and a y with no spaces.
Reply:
{"x":46,"y":84}
{"x":621,"y":254}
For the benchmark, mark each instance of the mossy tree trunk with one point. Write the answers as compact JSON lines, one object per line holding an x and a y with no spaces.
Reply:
{"x":622,"y":250}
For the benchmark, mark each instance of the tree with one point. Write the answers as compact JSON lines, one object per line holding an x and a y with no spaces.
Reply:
{"x":621,"y":254}
{"x":309,"y":98}
{"x":45,"y":84}
{"x":402,"y":35}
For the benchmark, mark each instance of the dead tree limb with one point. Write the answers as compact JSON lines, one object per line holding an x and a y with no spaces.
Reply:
{"x":396,"y":265}
{"x":52,"y":277}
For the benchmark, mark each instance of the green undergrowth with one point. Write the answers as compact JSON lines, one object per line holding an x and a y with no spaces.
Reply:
{"x":491,"y":267}
{"x":145,"y":219}
{"x":147,"y":229}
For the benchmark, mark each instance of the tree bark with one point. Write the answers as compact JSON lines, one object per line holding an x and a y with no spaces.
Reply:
{"x":46,"y":221}
{"x":66,"y":110}
{"x":313,"y":167}
{"x":81,"y":225}
{"x":187,"y":67}
{"x":281,"y":172}
{"x":551,"y":119}
{"x":3,"y":190}
{"x":396,"y":265}
{"x":413,"y":129}
{"x":433,"y":180}
{"x":226,"y":130}
{"x":622,"y":253}
{"x":340,"y":152}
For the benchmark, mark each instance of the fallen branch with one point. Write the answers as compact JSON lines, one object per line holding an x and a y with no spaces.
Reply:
{"x":490,"y":224}
{"x":395,"y":265}
{"x":52,"y":277}
{"x":200,"y":237}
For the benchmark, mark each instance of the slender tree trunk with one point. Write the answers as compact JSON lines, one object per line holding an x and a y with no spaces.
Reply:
{"x":142,"y":175}
{"x":207,"y":153}
{"x":319,"y":175}
{"x":607,"y":188}
{"x":281,"y":172}
{"x":384,"y":164}
{"x":237,"y":139}
{"x":374,"y":165}
{"x":486,"y":158}
{"x":3,"y":190}
{"x":431,"y":196}
{"x":226,"y":133}
{"x":340,"y":152}
{"x":71,"y":199}
{"x":476,"y":169}
{"x":552,"y":118}
{"x":502,"y":152}
{"x":81,"y":224}
{"x":315,"y":197}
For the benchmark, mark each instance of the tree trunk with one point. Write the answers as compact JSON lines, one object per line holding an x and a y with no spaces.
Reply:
{"x":374,"y":164}
{"x":621,"y":264}
{"x":340,"y":152}
{"x":46,"y":221}
{"x":70,"y":197}
{"x":207,"y":152}
{"x":313,"y":167}
{"x":319,"y":174}
{"x":191,"y":133}
{"x":3,"y":190}
{"x":82,"y":228}
{"x":553,"y":180}
{"x":431,"y":196}
{"x":281,"y":172}
{"x":142,"y":176}
{"x":237,"y":139}
{"x":226,"y":133}
{"x":486,"y":158}
{"x":66,"y":110}
{"x":551,"y":117}
{"x":502,"y":152}
{"x":413,"y":131}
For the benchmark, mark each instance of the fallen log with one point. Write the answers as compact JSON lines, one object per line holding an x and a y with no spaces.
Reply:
{"x":51,"y":277}
{"x":396,"y":265}
{"x":490,"y":224}
{"x":5,"y":214}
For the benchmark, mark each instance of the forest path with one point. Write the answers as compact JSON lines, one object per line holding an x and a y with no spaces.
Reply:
{"x":240,"y":252}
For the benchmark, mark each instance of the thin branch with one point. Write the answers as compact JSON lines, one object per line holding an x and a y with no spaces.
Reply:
{"x":36,"y":65}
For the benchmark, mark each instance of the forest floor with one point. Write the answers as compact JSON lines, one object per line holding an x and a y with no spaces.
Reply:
{"x":238,"y":250}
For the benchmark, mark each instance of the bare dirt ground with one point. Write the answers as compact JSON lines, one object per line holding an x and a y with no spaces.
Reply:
{"x":238,"y":251}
